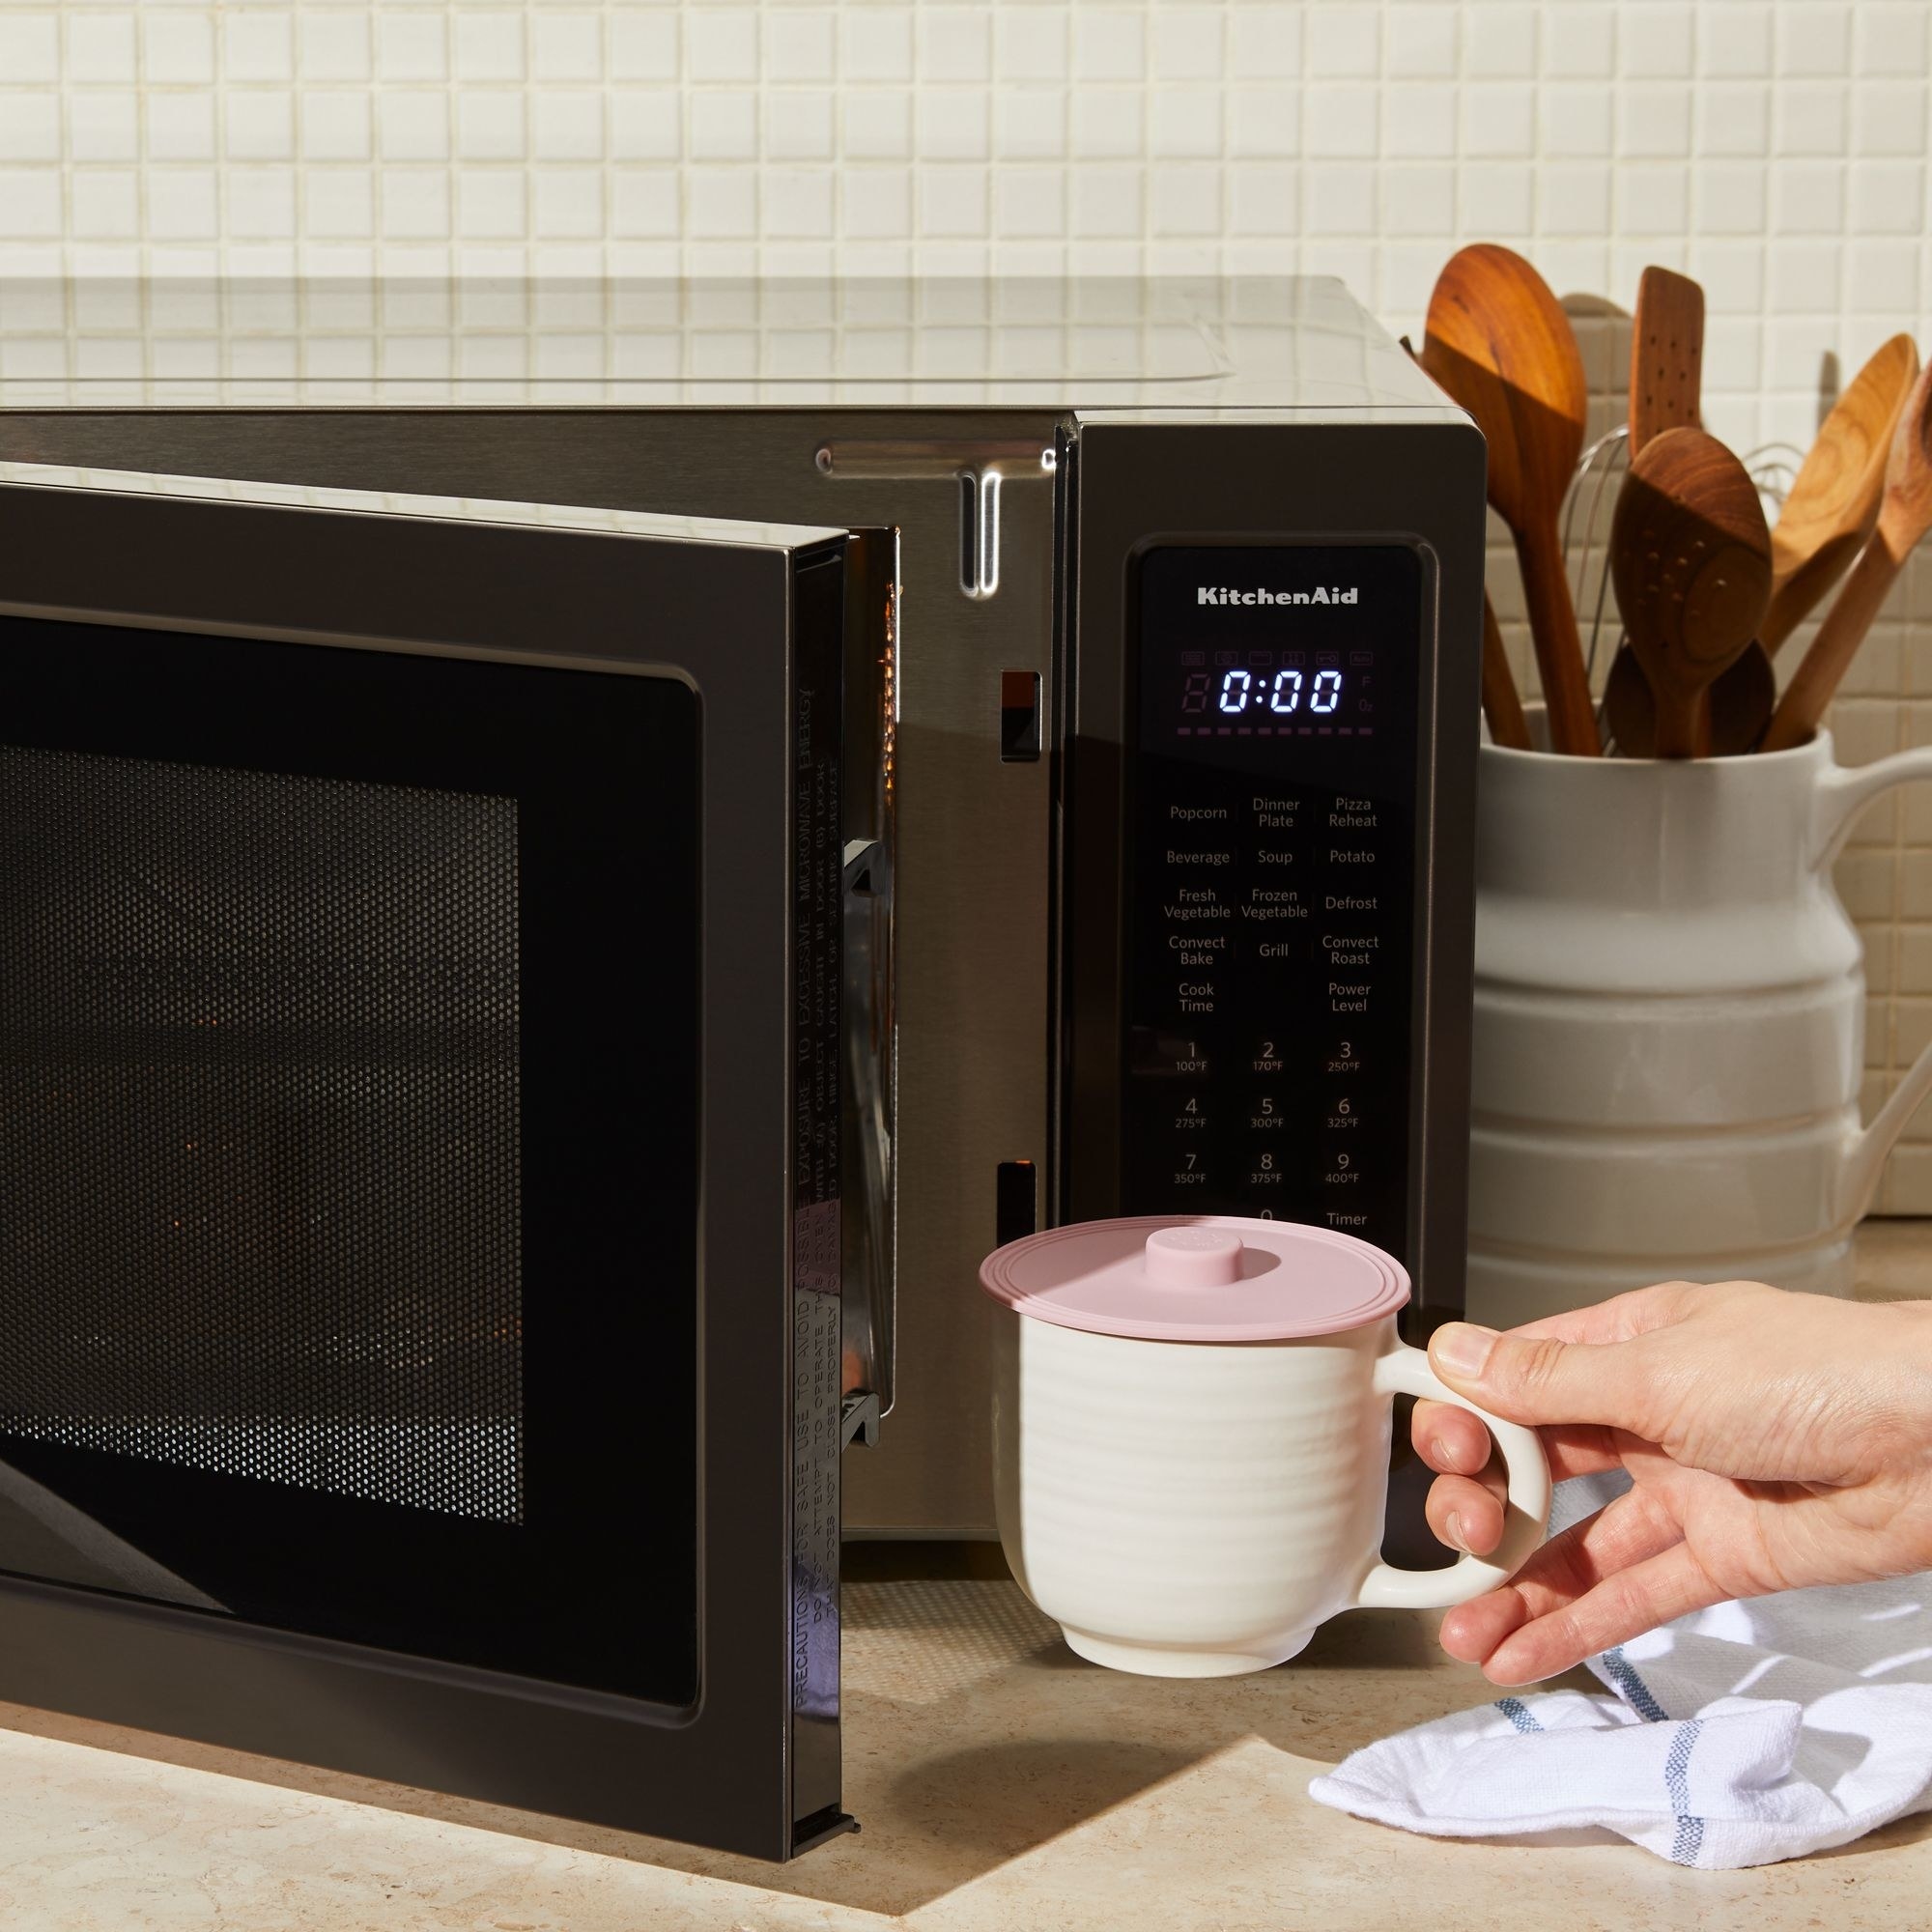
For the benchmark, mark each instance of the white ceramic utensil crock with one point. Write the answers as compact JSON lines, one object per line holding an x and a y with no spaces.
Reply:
{"x":1670,"y":1025}
{"x":1191,"y":1438}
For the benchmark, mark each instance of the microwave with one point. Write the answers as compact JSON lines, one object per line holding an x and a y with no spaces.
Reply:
{"x":572,"y":856}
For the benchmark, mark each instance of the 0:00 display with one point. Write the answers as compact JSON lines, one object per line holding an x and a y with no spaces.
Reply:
{"x":1281,"y":693}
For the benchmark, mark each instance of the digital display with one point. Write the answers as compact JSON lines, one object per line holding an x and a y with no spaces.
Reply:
{"x":1276,"y":694}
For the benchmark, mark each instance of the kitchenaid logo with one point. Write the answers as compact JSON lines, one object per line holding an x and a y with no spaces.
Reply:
{"x":1218,"y":594}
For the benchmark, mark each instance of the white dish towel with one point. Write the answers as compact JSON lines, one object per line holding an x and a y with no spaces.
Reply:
{"x":1737,"y":1736}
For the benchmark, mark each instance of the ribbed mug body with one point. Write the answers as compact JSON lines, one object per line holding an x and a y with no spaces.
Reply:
{"x":1188,"y":1509}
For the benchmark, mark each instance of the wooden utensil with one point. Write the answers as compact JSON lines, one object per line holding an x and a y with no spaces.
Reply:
{"x":1667,"y":382}
{"x":1499,"y":341}
{"x":1903,"y":518}
{"x":1691,"y":557}
{"x":1501,"y":705}
{"x":1834,"y":502}
{"x":1738,"y":707}
{"x":1666,"y":356}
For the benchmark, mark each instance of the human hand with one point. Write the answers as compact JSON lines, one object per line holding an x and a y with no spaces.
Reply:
{"x":1772,"y":1440}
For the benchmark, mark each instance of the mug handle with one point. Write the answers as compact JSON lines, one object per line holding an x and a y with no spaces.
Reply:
{"x":1406,"y":1371}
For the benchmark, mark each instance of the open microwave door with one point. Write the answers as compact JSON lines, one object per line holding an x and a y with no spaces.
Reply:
{"x":419,"y":1227}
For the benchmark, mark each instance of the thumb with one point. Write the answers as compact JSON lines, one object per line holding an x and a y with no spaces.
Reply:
{"x":1540,"y":1379}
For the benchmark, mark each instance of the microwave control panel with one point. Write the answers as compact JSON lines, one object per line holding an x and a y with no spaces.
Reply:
{"x":1269,"y":885}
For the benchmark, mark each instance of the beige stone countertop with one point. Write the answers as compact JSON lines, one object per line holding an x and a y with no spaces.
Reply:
{"x":1002,"y":1786}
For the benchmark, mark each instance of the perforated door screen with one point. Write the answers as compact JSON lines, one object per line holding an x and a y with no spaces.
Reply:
{"x":259,"y":1127}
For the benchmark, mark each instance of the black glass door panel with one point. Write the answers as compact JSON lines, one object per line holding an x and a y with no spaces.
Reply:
{"x":348,"y":1180}
{"x":1270,"y":884}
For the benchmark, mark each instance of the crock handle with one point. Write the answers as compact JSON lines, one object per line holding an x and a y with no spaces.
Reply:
{"x":1842,"y":791}
{"x":1406,"y":1371}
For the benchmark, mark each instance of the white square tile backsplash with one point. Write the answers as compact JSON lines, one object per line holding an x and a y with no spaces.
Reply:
{"x":1778,"y":151}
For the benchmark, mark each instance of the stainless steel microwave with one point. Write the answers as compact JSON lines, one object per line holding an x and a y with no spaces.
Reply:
{"x":571,"y":857}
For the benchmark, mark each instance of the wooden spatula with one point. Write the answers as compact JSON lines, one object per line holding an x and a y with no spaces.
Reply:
{"x":1691,"y":557}
{"x":1499,"y":341}
{"x":1903,"y":518}
{"x":1502,"y":707}
{"x":1666,"y":356}
{"x":1834,"y":502}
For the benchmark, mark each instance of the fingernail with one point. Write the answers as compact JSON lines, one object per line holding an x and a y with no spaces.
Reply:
{"x":1462,"y":1349}
{"x":1454,"y":1525}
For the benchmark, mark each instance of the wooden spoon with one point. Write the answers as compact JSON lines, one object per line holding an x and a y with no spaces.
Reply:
{"x":1739,"y":705}
{"x":1691,"y":557}
{"x":1666,"y":356}
{"x":1499,"y":341}
{"x":1834,"y":502}
{"x":1903,"y":518}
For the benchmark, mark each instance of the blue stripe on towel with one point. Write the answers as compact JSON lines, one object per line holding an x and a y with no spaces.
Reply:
{"x":1690,"y":1839}
{"x":1636,"y":1693}
{"x":1518,"y":1713}
{"x":1631,"y":1687}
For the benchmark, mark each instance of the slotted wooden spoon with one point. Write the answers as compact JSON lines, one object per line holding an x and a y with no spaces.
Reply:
{"x":1691,"y":557}
{"x":1903,"y":518}
{"x":1499,"y":343}
{"x":1834,"y":502}
{"x":1667,"y":382}
{"x":1666,"y":376}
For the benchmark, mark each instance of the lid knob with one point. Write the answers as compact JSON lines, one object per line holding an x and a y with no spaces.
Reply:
{"x":1193,"y":1257}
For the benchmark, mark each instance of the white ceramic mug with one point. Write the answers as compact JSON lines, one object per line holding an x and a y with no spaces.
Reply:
{"x":1669,"y":1026}
{"x":1191,"y":1439}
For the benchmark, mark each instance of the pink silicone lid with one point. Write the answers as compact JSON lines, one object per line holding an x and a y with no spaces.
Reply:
{"x":1197,"y":1278}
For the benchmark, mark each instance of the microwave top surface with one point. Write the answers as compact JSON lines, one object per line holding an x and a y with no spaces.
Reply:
{"x":1208,"y":343}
